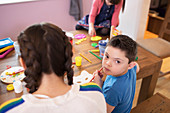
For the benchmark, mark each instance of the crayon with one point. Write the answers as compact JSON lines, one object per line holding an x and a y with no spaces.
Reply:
{"x":99,"y":75}
{"x":96,"y":50}
{"x":85,"y":57}
{"x":95,"y":55}
{"x":100,"y":69}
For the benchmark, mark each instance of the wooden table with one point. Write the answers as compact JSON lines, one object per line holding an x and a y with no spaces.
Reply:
{"x":149,"y":68}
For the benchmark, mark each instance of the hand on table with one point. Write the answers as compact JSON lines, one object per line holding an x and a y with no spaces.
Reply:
{"x":92,"y":31}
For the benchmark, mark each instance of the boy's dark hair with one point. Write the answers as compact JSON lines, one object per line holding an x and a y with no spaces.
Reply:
{"x":45,"y":49}
{"x":126,"y":44}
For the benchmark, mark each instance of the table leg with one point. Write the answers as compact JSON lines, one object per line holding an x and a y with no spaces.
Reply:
{"x":149,"y":83}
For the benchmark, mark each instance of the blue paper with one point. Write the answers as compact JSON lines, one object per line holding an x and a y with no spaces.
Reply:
{"x":6,"y":42}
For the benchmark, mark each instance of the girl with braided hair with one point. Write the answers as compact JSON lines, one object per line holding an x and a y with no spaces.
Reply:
{"x":46,"y":54}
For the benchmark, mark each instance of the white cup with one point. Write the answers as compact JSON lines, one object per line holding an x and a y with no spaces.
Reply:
{"x":18,"y":86}
{"x":17,"y":48}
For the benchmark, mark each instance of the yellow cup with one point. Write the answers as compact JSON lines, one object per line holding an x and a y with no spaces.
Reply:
{"x":78,"y":60}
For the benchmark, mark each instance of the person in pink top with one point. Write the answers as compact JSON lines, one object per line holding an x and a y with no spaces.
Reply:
{"x":103,"y":15}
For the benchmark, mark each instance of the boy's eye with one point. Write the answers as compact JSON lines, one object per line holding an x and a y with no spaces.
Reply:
{"x":107,"y":56}
{"x":117,"y":62}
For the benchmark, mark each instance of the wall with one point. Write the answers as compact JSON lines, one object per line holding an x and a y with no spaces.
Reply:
{"x":16,"y":17}
{"x":133,"y":20}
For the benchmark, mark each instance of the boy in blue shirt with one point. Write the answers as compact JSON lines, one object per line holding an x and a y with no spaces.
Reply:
{"x":119,"y":66}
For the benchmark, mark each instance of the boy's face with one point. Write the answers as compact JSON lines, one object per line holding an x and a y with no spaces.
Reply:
{"x":115,"y":62}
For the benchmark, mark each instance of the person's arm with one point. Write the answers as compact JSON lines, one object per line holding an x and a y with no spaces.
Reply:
{"x":92,"y":31}
{"x":94,"y":11}
{"x":115,"y":17}
{"x":110,"y":108}
{"x":98,"y":78}
{"x":92,"y":16}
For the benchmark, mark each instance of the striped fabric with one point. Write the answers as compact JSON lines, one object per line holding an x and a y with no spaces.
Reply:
{"x":10,"y":104}
{"x":18,"y":101}
{"x":90,"y":87}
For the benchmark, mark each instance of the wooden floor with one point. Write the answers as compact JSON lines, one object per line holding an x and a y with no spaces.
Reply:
{"x":163,"y":84}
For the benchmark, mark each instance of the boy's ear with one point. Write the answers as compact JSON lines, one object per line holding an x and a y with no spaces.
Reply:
{"x":131,"y":65}
{"x":22,"y":63}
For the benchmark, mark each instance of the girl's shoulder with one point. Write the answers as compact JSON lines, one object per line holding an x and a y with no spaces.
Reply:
{"x":90,"y":87}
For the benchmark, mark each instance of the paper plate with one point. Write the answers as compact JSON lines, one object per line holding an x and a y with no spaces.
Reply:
{"x":12,"y":74}
{"x":84,"y":77}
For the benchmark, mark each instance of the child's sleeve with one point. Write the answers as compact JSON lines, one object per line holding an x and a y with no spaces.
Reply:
{"x":111,"y":96}
{"x":115,"y":17}
{"x":94,"y":11}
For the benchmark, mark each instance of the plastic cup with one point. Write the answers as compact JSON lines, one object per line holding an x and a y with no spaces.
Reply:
{"x":78,"y":60}
{"x":17,"y":48}
{"x":18,"y":86}
{"x":102,"y":46}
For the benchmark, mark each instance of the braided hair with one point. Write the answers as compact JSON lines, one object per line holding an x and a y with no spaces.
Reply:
{"x":45,"y":49}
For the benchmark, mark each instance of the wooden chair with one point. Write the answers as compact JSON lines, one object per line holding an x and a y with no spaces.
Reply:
{"x":165,"y":29}
{"x":155,"y":104}
{"x":160,"y":46}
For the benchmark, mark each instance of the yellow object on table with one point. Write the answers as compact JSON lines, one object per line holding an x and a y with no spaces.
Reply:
{"x":10,"y":87}
{"x":97,"y":50}
{"x":78,"y":60}
{"x":114,"y":32}
{"x":80,"y":40}
{"x":85,"y":57}
{"x":96,"y":38}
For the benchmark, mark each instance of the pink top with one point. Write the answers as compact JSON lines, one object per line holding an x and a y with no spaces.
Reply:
{"x":95,"y":10}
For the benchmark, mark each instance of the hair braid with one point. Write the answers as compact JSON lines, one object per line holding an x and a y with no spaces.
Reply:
{"x":31,"y":58}
{"x":68,"y":63}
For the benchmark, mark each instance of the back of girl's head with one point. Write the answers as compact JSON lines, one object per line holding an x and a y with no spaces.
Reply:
{"x":45,"y":49}
{"x":126,"y":44}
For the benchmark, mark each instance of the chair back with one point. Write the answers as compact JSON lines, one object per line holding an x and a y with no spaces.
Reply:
{"x":165,"y":27}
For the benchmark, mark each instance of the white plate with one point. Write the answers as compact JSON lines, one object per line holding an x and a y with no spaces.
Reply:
{"x":10,"y":78}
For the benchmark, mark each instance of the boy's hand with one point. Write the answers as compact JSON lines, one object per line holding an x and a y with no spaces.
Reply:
{"x":138,"y":68}
{"x":98,"y":78}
